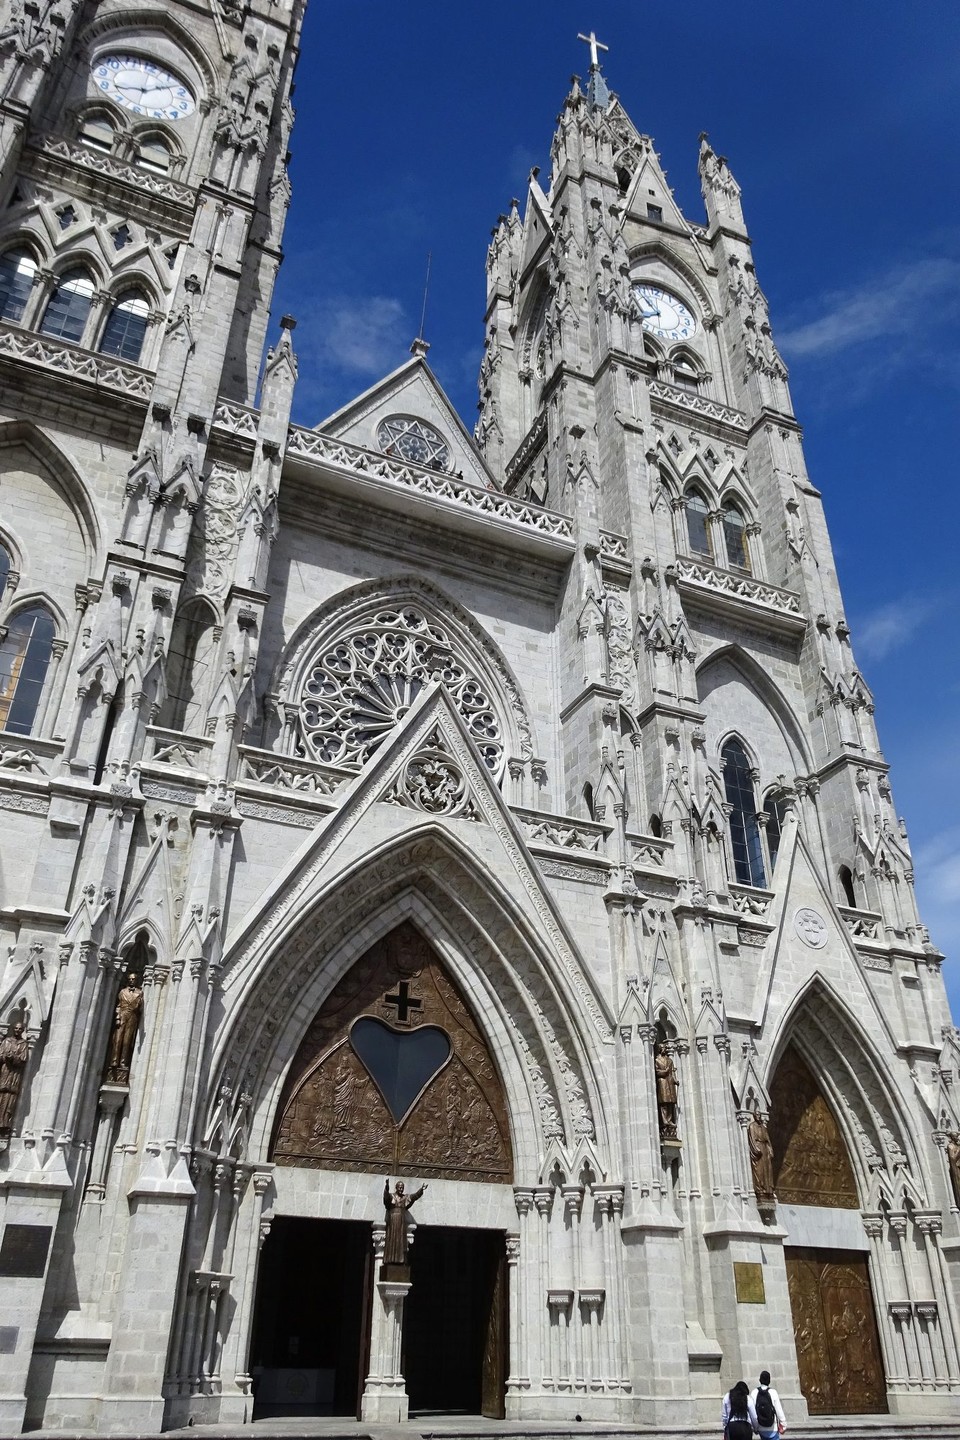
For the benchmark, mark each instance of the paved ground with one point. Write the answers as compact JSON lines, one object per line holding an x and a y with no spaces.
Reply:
{"x":451,"y":1427}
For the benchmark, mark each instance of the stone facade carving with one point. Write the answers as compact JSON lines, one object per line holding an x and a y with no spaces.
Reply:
{"x":337,"y":979}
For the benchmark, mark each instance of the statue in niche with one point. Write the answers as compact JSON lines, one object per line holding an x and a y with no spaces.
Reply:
{"x":953,"y":1162}
{"x":14,"y":1053}
{"x":126,"y":1023}
{"x":666,"y":1073}
{"x":396,"y":1206}
{"x":761,"y":1158}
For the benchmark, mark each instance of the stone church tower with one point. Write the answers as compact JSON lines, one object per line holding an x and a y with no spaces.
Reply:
{"x":501,"y":815}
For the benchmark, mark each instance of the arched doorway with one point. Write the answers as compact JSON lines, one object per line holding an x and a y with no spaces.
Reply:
{"x":834,"y":1321}
{"x":393,"y":1078}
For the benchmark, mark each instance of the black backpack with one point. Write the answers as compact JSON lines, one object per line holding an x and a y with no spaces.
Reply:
{"x":766,"y":1415}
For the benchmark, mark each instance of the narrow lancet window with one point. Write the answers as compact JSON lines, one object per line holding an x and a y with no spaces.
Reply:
{"x":744,"y":830}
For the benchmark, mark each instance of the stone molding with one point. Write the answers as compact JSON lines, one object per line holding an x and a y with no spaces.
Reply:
{"x":708,"y":585}
{"x":698,"y":404}
{"x":439,"y":488}
{"x":54,"y":355}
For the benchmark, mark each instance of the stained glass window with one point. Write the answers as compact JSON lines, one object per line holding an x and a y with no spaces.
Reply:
{"x":17,"y":270}
{"x":24,"y":659}
{"x":744,"y":830}
{"x":68,"y":307}
{"x":698,"y":535}
{"x":126,"y":327}
{"x":735,"y":537}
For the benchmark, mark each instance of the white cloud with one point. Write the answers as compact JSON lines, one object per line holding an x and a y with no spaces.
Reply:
{"x":904,"y":303}
{"x":891,"y":625}
{"x":938,"y":893}
{"x":359,"y":335}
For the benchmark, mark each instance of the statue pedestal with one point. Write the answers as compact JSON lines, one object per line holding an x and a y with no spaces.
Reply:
{"x":670,"y":1148}
{"x":385,"y":1399}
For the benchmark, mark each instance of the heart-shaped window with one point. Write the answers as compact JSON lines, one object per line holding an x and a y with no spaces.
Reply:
{"x":401,"y":1063}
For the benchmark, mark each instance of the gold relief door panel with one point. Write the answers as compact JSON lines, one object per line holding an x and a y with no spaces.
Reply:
{"x":811,"y":1165}
{"x":394,"y":1075}
{"x":835,"y":1329}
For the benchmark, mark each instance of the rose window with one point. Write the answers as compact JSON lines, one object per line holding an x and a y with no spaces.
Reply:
{"x":362,"y":685}
{"x":413,"y":440}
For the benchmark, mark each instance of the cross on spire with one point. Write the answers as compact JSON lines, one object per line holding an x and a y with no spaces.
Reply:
{"x":595,"y":45}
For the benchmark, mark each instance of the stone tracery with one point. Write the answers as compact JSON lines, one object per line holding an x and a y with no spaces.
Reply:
{"x":362,"y":685}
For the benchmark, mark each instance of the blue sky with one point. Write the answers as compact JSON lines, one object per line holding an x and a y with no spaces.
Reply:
{"x":416,"y":124}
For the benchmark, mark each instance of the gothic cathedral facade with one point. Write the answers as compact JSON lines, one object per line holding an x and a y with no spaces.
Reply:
{"x":500,"y":814}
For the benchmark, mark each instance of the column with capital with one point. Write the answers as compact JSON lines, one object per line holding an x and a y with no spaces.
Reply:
{"x":609,"y":1202}
{"x":524,"y":1337}
{"x":543,"y":1205}
{"x":250,"y":1229}
{"x":894,"y":1314}
{"x":898,"y":1222}
{"x":514,"y":1311}
{"x":573,"y":1207}
{"x":942,"y":1323}
{"x":385,"y":1400}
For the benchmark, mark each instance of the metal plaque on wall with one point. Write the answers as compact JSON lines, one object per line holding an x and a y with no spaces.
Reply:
{"x":23,"y":1251}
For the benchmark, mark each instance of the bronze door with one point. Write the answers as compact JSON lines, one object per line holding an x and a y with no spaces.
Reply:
{"x":835,"y":1328}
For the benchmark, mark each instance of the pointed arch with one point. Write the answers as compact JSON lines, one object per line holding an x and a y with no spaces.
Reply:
{"x":532,"y":1019}
{"x":190,"y":662}
{"x":135,"y":25}
{"x":349,"y":1102}
{"x":750,"y":673}
{"x":61,"y":472}
{"x":658,"y":249}
{"x":856,"y":1083}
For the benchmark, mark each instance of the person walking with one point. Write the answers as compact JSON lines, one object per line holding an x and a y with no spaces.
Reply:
{"x":738,"y":1417}
{"x":769,"y":1412}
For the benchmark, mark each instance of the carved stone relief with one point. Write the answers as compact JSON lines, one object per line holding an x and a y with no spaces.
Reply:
{"x":395,"y":1075}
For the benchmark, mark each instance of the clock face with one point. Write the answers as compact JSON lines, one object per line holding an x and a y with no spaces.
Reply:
{"x":663,"y":314}
{"x":143,"y":87}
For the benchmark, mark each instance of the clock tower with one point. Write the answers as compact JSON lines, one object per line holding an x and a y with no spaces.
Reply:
{"x":143,"y":193}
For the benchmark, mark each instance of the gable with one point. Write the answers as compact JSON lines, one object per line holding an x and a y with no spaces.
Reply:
{"x":411,"y":393}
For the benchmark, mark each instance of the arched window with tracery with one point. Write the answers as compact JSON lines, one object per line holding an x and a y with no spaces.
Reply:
{"x":698,"y":532}
{"x":189,"y":664}
{"x":65,"y":317}
{"x":24,"y":661}
{"x":745,"y":841}
{"x":685,"y":374}
{"x":18,"y":270}
{"x":735,"y":538}
{"x":126,"y":327}
{"x":5,"y":567}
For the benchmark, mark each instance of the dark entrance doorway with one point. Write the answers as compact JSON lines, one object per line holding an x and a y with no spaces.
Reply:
{"x":311,"y":1330}
{"x":838,"y":1348}
{"x":455,"y":1322}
